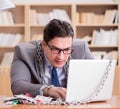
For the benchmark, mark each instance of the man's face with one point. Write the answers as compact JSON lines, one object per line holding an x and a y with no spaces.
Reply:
{"x":58,"y":44}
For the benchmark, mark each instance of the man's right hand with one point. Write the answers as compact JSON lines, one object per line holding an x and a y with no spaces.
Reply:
{"x":55,"y":92}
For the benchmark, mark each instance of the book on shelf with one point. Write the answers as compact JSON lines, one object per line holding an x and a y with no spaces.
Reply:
{"x":99,"y":54}
{"x":6,"y":39}
{"x":61,"y":14}
{"x":32,"y":16}
{"x":6,"y":18}
{"x":116,"y":20}
{"x":44,"y":18}
{"x":105,"y":55}
{"x":78,"y":17}
{"x":10,"y":39}
{"x":109,"y":16}
{"x":83,"y":17}
{"x":7,"y":59}
{"x":17,"y":39}
{"x":90,"y":18}
{"x":98,"y":18}
{"x":105,"y":38}
{"x":86,"y":38}
{"x":37,"y":37}
{"x":10,"y":17}
{"x":113,"y":54}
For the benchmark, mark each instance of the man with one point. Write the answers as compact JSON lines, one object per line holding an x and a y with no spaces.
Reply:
{"x":33,"y":62}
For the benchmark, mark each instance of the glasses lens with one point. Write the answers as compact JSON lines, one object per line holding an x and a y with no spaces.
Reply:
{"x":67,"y":51}
{"x":55,"y":50}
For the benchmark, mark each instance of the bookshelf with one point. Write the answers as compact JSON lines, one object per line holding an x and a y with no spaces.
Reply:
{"x":43,"y":13}
{"x":87,"y":20}
{"x":11,"y":29}
{"x":26,"y":24}
{"x":91,"y":22}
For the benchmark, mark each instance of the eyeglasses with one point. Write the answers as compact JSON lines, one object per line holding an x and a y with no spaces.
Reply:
{"x":56,"y":50}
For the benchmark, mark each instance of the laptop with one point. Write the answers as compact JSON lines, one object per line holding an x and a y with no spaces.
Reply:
{"x":90,"y":80}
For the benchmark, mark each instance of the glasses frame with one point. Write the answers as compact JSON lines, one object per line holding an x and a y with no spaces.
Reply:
{"x":56,"y":50}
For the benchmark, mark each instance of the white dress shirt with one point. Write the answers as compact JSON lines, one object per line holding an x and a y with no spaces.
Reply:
{"x":48,"y":70}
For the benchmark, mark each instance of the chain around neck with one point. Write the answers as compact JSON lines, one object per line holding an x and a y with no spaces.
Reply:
{"x":40,"y":57}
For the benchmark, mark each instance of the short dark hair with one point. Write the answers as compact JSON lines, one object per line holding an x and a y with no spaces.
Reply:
{"x":57,"y":28}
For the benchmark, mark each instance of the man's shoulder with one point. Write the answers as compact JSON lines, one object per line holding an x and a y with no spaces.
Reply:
{"x":81,"y":50}
{"x":77,"y":42}
{"x":31,"y":44}
{"x":26,"y":47}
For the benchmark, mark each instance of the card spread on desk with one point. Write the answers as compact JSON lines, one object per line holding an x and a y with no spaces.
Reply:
{"x":23,"y":99}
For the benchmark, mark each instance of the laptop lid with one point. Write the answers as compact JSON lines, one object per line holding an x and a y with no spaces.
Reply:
{"x":90,"y":80}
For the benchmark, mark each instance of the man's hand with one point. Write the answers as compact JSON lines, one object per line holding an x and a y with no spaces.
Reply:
{"x":57,"y":92}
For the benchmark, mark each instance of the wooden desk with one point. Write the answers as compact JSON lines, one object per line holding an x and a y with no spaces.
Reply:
{"x":113,"y":103}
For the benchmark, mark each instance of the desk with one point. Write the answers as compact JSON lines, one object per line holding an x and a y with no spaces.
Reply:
{"x":113,"y":103}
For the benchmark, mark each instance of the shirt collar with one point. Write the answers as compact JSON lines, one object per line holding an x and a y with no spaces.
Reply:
{"x":47,"y":63}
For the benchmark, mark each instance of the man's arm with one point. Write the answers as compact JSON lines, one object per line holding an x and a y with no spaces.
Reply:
{"x":23,"y":74}
{"x":21,"y":80}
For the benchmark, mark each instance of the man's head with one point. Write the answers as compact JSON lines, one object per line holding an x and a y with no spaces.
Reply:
{"x":57,"y":42}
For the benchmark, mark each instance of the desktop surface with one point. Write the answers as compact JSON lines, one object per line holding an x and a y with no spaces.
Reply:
{"x":113,"y":103}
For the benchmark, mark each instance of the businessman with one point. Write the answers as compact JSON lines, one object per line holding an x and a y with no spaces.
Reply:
{"x":41,"y":67}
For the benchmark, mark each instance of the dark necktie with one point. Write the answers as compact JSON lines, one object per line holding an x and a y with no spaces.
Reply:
{"x":54,"y":78}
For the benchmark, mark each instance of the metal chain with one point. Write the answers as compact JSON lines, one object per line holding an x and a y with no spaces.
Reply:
{"x":94,"y":93}
{"x":40,"y":60}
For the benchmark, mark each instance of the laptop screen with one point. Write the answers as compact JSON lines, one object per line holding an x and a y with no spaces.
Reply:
{"x":90,"y":80}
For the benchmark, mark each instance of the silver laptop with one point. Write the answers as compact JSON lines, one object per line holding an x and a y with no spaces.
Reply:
{"x":90,"y":80}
